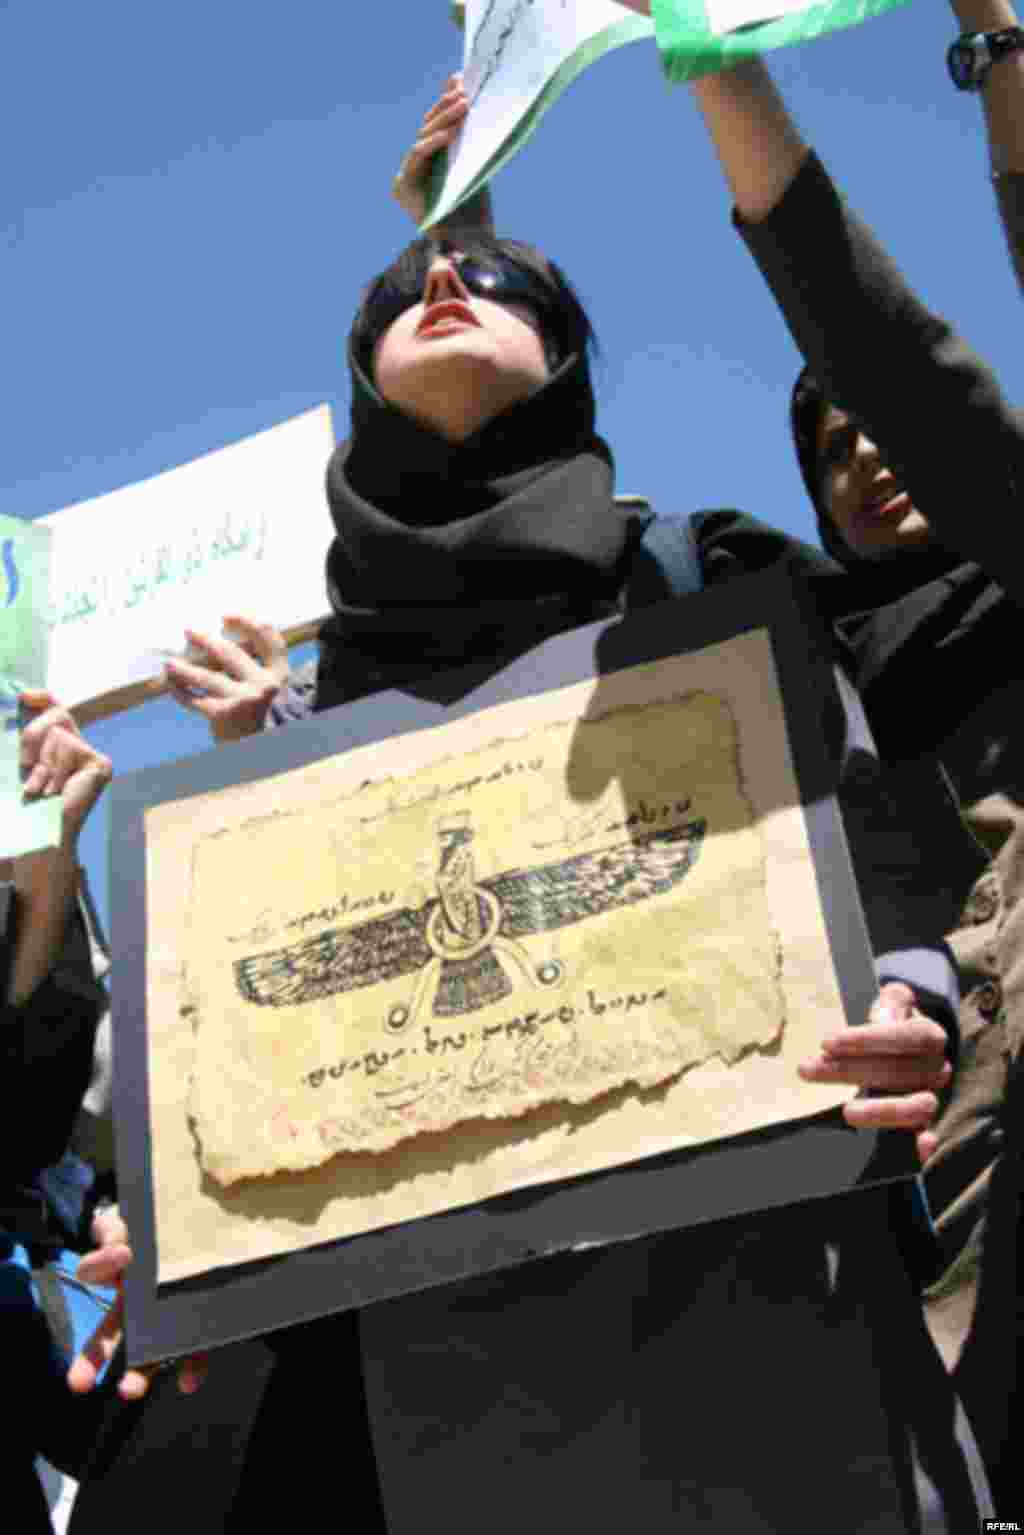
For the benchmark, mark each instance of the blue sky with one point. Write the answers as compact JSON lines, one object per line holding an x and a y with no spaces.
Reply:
{"x":193,"y":196}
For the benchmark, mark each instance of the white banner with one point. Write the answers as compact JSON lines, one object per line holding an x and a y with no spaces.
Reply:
{"x":241,"y":530}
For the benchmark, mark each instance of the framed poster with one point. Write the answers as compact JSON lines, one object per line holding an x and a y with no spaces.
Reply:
{"x":517,"y":961}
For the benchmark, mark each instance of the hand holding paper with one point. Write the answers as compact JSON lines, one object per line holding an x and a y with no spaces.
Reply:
{"x":438,"y":131}
{"x":57,"y":761}
{"x":519,"y":57}
{"x":899,"y":1056}
{"x":106,"y":1265}
{"x":231,"y":681}
{"x":61,"y":770}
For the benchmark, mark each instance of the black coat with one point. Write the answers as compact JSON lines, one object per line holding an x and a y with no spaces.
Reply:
{"x":733,"y":1375}
{"x":46,"y":1051}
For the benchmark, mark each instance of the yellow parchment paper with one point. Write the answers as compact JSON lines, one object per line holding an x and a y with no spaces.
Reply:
{"x":565,"y":933}
{"x":462,"y":944}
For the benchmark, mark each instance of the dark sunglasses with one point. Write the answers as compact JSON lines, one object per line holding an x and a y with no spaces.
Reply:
{"x":500,"y":280}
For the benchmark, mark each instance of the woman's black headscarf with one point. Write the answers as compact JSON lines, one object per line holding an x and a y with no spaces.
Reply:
{"x":450,"y":551}
{"x":901,"y":614}
{"x":883,"y":579}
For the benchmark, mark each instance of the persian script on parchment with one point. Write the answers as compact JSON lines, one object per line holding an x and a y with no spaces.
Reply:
{"x":469,"y":943}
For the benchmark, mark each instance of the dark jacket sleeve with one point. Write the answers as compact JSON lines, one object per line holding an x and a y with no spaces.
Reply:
{"x":929,"y":401}
{"x":1010,"y":197}
{"x":46,"y":1047}
{"x":296,"y":700}
{"x":889,"y":818}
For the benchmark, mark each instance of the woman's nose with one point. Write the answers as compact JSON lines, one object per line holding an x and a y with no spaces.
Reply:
{"x":443,"y":282}
{"x":866,"y":454}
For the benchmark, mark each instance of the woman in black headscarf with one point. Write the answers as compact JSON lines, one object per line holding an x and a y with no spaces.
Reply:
{"x":731,"y":1375}
{"x":473,"y":503}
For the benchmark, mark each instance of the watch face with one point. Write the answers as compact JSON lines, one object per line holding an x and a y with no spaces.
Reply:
{"x":961,"y":65}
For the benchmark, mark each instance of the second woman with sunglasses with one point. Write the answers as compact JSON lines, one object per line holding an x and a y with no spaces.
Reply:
{"x":737,"y":1376}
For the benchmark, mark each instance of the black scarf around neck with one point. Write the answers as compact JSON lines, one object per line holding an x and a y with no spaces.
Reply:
{"x":449,"y":552}
{"x":926,"y":635}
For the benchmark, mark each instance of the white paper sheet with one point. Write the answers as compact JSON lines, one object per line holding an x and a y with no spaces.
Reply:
{"x":514,"y":49}
{"x":244,"y":529}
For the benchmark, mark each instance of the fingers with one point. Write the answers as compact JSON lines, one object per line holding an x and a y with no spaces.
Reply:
{"x":192,"y":1373}
{"x":450,"y":109}
{"x":108,"y":1261}
{"x":915,"y":1042}
{"x":262,"y":641}
{"x":60,"y":755}
{"x":225,"y":655}
{"x":259,"y":649}
{"x":49,"y":742}
{"x":885,"y":1073}
{"x":423,"y":150}
{"x":454,"y":92}
{"x":106,"y":1265}
{"x":185,"y":677}
{"x":108,"y":1227}
{"x":235,"y":689}
{"x":37,"y":699}
{"x":895,"y":996}
{"x":440,"y":126}
{"x":98,"y":1350}
{"x":917,"y":1036}
{"x":897,"y":1059}
{"x":908,"y":1111}
{"x":54,"y":756}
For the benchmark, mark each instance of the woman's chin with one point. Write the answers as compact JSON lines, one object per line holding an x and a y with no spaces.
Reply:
{"x":883,"y":541}
{"x":456,"y":392}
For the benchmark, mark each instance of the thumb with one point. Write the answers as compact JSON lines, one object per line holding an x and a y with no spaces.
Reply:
{"x":896,"y":1001}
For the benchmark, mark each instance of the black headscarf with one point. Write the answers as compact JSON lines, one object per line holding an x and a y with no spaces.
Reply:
{"x":919,"y":623}
{"x":447,"y":552}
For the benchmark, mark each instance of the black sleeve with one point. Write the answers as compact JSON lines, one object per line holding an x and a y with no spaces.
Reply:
{"x":46,"y":1047}
{"x":1010,"y":197}
{"x":887,"y":814}
{"x":929,"y":401}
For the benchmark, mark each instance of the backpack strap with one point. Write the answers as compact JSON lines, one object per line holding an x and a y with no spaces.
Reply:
{"x":665,"y":563}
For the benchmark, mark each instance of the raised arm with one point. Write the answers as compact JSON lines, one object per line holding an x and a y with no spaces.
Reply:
{"x":925,"y":397}
{"x":1002,"y":91}
{"x":1002,"y":97}
{"x":756,"y":140}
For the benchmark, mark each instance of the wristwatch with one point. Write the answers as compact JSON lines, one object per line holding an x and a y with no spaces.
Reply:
{"x":971,"y":57}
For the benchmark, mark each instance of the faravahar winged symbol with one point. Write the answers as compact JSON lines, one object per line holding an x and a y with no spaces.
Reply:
{"x":465,"y":941}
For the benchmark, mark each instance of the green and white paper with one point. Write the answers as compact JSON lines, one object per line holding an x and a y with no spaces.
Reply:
{"x":701,"y":37}
{"x":24,"y":658}
{"x":519,"y":56}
